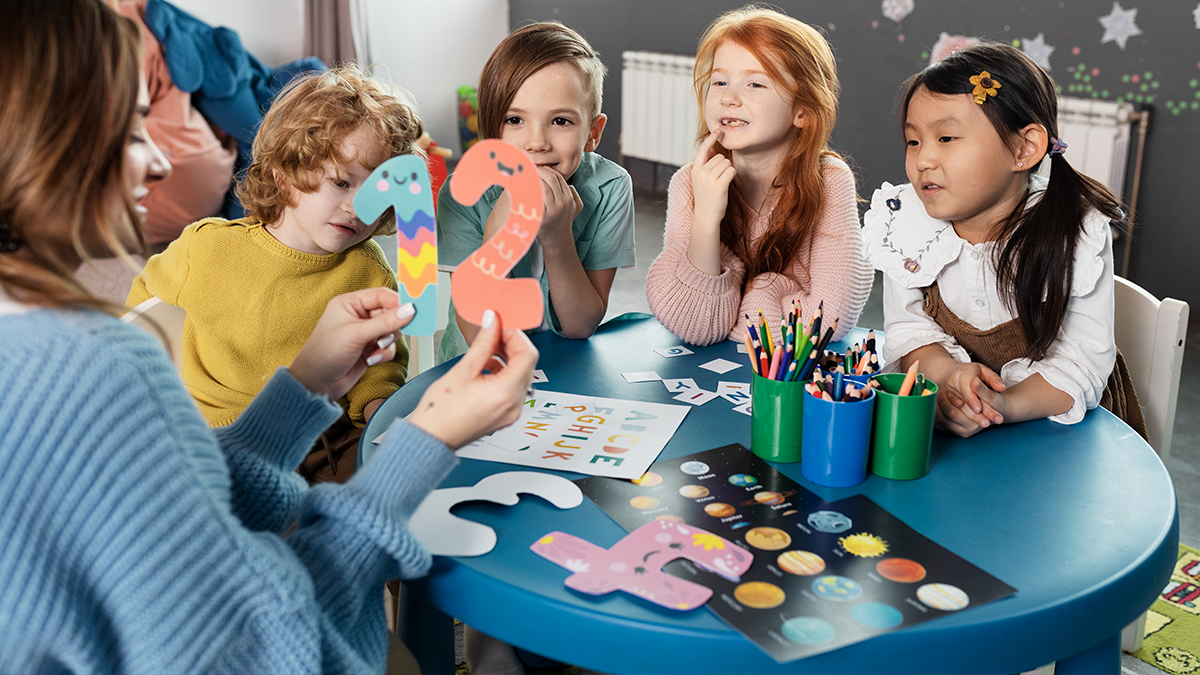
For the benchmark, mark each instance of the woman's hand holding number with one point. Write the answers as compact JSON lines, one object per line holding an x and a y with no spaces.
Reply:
{"x":357,"y":330}
{"x":466,"y":402}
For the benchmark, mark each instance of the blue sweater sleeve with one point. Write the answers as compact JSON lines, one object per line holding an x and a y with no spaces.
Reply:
{"x":124,"y":545}
{"x":264,"y":446}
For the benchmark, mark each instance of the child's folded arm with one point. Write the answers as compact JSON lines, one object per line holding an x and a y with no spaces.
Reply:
{"x":907,"y":327}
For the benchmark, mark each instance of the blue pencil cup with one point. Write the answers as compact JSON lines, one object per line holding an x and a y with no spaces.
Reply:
{"x":837,"y":437}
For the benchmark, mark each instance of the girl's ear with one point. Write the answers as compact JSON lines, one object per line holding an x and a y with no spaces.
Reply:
{"x":594,"y":132}
{"x":798,"y":121}
{"x":1031,"y":148}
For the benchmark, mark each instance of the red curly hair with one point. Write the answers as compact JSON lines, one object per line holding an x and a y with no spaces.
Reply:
{"x":305,"y":128}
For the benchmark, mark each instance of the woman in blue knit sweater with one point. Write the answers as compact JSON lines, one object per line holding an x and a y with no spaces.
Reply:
{"x":132,"y":537}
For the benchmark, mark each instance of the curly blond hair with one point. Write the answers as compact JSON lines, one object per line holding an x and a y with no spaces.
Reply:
{"x":305,"y":128}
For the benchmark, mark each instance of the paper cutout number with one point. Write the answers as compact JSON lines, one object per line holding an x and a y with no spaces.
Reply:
{"x":480,"y":282}
{"x":634,"y":564}
{"x":443,"y":533}
{"x":402,"y":183}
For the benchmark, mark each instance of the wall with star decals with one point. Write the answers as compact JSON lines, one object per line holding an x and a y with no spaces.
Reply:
{"x":1144,"y":52}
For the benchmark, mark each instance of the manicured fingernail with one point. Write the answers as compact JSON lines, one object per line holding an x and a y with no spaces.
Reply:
{"x":489,"y":318}
{"x":374,"y":358}
{"x":386,"y":341}
{"x":406,"y":310}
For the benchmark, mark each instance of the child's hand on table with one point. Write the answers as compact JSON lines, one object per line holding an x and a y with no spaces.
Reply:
{"x":466,"y":402}
{"x":970,"y":399}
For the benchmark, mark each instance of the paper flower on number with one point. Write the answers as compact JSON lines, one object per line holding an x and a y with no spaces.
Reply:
{"x":984,"y":86}
{"x":708,"y":541}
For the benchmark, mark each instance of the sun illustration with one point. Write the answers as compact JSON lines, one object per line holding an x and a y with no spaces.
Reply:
{"x":864,"y":545}
{"x":708,"y":541}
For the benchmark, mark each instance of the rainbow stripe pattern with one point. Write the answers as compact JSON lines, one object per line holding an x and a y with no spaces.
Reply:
{"x":402,"y":184}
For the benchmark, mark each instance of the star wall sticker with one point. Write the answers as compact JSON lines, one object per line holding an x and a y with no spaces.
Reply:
{"x":1038,"y":50}
{"x":1119,"y":25}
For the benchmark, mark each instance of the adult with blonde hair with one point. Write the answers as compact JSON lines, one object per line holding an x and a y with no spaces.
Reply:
{"x":766,"y":213}
{"x":136,"y":539}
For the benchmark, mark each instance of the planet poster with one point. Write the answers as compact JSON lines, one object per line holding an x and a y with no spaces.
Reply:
{"x":825,"y":574}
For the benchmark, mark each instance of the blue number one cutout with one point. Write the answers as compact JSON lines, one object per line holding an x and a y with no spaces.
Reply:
{"x":402,"y":183}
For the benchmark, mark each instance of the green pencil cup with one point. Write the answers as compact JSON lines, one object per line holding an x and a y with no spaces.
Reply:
{"x":776,"y":413}
{"x":903,"y":431}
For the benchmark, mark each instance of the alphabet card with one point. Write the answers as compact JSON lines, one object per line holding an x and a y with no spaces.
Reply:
{"x":584,"y":434}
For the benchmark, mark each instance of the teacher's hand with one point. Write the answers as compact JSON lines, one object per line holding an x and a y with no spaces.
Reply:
{"x":466,"y":402}
{"x":357,"y":330}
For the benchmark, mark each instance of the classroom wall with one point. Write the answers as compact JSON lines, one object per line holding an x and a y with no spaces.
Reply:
{"x":430,"y":49}
{"x":875,"y":54}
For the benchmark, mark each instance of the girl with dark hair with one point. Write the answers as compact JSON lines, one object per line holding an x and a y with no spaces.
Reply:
{"x":766,"y":214}
{"x":997,"y":256}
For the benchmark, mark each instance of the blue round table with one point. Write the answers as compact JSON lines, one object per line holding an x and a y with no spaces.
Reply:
{"x":1080,"y":519}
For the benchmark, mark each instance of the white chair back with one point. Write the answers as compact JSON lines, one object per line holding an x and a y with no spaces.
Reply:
{"x":1150,"y":334}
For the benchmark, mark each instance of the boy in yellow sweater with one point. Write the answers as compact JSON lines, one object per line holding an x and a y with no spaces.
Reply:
{"x":254,"y":288}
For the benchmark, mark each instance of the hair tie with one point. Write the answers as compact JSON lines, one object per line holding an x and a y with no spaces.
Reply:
{"x":1057,"y":146}
{"x":8,"y":243}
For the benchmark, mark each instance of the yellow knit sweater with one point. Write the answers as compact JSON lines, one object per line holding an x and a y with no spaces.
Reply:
{"x":251,"y":304}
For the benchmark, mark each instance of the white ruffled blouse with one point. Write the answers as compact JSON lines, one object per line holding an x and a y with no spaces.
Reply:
{"x":914,"y":250}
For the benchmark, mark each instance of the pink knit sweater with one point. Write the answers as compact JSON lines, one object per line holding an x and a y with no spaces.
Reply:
{"x":702,"y":309}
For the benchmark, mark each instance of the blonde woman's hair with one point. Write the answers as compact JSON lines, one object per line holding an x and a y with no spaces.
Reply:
{"x":68,"y":95}
{"x":305,"y":128}
{"x":800,"y":63}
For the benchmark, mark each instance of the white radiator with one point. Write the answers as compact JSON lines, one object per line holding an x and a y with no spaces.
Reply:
{"x":658,"y":108}
{"x":1097,"y":133}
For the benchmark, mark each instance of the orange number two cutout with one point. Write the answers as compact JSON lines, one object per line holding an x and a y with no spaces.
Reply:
{"x":480,"y":282}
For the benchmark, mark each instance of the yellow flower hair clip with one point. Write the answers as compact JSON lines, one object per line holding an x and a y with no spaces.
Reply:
{"x":985,"y":86}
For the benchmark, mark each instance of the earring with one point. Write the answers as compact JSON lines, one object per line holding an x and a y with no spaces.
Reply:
{"x":1020,"y":163}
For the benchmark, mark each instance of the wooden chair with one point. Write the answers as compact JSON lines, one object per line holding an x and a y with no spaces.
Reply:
{"x":1150,"y":334}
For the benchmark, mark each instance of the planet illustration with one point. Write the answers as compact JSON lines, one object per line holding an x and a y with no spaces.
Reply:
{"x":900,"y":570}
{"x":693,"y":491}
{"x":693,"y":468}
{"x":648,"y":479}
{"x":643,"y":502}
{"x":670,"y":518}
{"x":836,"y":588}
{"x":943,"y":596}
{"x":876,"y":615}
{"x":790,"y":512}
{"x":770,"y":498}
{"x":739,"y":525}
{"x":759,"y":595}
{"x":743,"y":480}
{"x":864,"y":545}
{"x":829,"y":521}
{"x":806,"y":630}
{"x":719,"y":510}
{"x":768,"y":538}
{"x":800,"y":563}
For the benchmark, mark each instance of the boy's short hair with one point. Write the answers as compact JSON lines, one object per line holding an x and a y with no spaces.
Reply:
{"x":526,"y":51}
{"x":305,"y":127}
